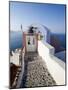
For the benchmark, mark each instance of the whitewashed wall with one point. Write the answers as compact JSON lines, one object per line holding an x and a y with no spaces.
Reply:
{"x":55,"y":66}
{"x":22,"y":71}
{"x":15,"y":59}
{"x":31,"y":47}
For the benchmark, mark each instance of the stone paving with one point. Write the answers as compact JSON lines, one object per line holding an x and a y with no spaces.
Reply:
{"x":36,"y":73}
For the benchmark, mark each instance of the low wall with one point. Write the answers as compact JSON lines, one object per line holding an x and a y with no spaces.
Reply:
{"x":55,"y":66}
{"x":22,"y":70}
{"x":15,"y":59}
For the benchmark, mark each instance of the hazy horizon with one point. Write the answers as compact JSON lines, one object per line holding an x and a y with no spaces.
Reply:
{"x":50,"y":15}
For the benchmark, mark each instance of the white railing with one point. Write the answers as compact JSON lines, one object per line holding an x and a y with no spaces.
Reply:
{"x":55,"y":66}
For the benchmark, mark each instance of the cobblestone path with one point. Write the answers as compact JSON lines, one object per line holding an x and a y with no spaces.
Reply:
{"x":36,"y":73}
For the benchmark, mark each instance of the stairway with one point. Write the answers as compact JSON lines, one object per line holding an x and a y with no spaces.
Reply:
{"x":36,"y":73}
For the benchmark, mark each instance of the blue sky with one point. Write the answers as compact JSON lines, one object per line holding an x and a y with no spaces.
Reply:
{"x":50,"y":15}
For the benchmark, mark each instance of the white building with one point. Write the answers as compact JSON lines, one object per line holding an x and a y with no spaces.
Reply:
{"x":31,"y":43}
